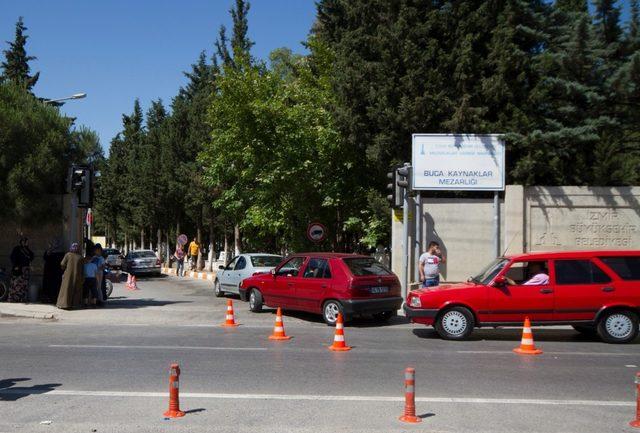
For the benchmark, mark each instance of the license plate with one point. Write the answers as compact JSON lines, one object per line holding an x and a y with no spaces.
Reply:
{"x":379,"y":289}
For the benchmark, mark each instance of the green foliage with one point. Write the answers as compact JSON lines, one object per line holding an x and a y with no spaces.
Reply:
{"x":36,"y":150}
{"x":15,"y":67}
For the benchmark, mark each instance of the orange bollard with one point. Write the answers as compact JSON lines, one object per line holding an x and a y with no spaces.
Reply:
{"x":278,"y":329}
{"x":410,"y":397}
{"x":230,"y":319}
{"x":174,"y":391}
{"x":527,"y":347}
{"x":636,"y":423}
{"x":339,"y":344}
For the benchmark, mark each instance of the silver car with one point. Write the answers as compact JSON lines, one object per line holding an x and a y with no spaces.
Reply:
{"x":140,"y":262}
{"x":243,"y":266}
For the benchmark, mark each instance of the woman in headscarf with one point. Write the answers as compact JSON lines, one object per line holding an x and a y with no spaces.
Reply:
{"x":21,"y":258}
{"x":72,"y":279}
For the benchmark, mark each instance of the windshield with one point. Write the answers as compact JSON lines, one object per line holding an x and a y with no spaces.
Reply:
{"x":366,"y":266}
{"x":142,"y":254}
{"x":265,"y":261}
{"x":490,"y":271}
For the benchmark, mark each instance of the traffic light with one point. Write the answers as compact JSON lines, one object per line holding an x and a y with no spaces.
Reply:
{"x":404,"y":177}
{"x":79,"y":182}
{"x":395,"y":191}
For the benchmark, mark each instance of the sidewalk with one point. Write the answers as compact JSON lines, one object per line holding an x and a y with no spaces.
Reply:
{"x":200,"y":275}
{"x":31,"y":311}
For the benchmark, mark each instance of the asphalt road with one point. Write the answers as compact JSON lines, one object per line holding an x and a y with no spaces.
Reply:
{"x":107,"y":371}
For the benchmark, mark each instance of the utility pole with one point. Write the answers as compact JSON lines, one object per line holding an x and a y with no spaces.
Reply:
{"x":404,"y":182}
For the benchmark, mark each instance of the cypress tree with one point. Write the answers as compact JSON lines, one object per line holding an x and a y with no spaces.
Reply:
{"x":16,"y":67}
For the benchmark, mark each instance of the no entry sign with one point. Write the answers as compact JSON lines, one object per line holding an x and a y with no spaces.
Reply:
{"x":316,"y":232}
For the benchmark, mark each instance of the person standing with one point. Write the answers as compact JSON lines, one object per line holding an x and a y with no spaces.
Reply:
{"x":52,"y":273}
{"x":194,"y":250}
{"x":429,"y":265}
{"x":90,"y":289}
{"x":179,"y":256}
{"x":99,"y":261}
{"x":21,"y":258}
{"x":70,"y":295}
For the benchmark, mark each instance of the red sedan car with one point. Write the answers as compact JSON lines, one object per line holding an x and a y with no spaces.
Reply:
{"x":594,"y":291}
{"x":328,"y":284}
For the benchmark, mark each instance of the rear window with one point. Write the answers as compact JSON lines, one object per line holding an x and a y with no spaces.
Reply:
{"x":142,"y":254}
{"x":627,"y":268}
{"x":265,"y":261}
{"x":579,"y":272}
{"x":360,"y":266}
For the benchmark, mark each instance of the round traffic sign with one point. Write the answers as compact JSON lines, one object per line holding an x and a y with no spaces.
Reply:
{"x":183,"y":239}
{"x":316,"y":232}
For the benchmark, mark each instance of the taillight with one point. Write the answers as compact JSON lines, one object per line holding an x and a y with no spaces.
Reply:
{"x":157,"y":262}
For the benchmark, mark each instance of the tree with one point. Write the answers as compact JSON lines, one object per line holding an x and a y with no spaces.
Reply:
{"x":16,"y":67}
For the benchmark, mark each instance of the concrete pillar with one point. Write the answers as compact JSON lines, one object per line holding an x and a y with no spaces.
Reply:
{"x":514,"y":219}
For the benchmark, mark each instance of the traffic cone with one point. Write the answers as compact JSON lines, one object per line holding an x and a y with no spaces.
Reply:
{"x":527,"y":347}
{"x":339,"y":344}
{"x":230,"y":320}
{"x":278,"y":329}
{"x":409,"y":414}
{"x":128,"y":285}
{"x":174,"y":393}
{"x":134,"y":283}
{"x":636,"y":422}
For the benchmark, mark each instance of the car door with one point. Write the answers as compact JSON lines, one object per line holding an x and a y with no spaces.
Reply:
{"x":236,"y":275}
{"x":226,"y":276}
{"x":287,"y":277}
{"x":582,"y":288}
{"x":315,"y":282}
{"x":511,"y":303}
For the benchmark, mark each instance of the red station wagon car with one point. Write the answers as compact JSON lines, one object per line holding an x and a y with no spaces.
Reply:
{"x":326,"y":283}
{"x":594,"y":291}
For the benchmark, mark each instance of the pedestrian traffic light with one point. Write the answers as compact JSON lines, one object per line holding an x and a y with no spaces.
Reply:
{"x":395,"y":191}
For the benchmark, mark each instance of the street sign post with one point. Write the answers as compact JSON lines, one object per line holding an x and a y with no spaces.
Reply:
{"x":316,"y":232}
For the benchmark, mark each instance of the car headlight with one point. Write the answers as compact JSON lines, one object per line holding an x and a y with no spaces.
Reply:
{"x":415,"y":302}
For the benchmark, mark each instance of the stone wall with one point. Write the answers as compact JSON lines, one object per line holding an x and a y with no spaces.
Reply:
{"x":531,"y":219}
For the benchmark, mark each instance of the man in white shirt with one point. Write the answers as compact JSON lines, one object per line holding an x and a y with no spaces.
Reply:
{"x":429,"y":265}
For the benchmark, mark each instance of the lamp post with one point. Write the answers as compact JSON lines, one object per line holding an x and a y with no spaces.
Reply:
{"x":74,"y":96}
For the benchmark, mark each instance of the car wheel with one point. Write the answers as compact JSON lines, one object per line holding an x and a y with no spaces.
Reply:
{"x":618,"y":326}
{"x":384,"y":316}
{"x":217,"y":289}
{"x":455,"y":323}
{"x":585,"y":329}
{"x":330,"y":311}
{"x":255,"y":301}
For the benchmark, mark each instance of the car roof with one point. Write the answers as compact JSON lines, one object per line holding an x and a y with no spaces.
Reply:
{"x":260,"y":254}
{"x":332,"y":255}
{"x":142,"y":251}
{"x":543,"y":255}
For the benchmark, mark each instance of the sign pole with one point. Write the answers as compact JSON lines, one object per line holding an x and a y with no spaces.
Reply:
{"x":496,"y":223}
{"x":417,"y":240}
{"x":405,"y":243}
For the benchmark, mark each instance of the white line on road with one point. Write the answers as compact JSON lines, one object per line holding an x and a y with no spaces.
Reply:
{"x":508,"y":352}
{"x":307,"y":397}
{"x":89,"y":346}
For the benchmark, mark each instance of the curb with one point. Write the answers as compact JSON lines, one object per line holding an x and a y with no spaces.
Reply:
{"x":28,"y":315}
{"x":209,"y":276}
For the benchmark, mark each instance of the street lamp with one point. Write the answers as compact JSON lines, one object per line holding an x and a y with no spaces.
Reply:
{"x":74,"y":96}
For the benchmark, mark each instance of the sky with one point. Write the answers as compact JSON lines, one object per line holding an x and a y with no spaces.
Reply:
{"x":118,"y":50}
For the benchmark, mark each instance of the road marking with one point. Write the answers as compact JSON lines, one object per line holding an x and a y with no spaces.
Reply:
{"x":90,"y":346}
{"x":631,"y":366}
{"x":508,"y":352}
{"x":298,"y":397}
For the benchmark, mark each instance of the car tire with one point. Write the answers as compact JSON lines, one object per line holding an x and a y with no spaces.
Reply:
{"x":255,"y":301}
{"x":384,"y":316}
{"x":455,"y":323}
{"x":618,"y":326}
{"x":589,"y":330}
{"x":4,"y":291}
{"x":217,"y":289}
{"x":330,"y":310}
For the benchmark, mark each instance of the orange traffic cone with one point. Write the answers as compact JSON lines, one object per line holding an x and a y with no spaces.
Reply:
{"x":174,"y":393}
{"x":134,"y":283}
{"x":230,"y":320}
{"x":527,"y":347}
{"x":128,"y":285}
{"x":278,"y":329}
{"x":339,"y":344}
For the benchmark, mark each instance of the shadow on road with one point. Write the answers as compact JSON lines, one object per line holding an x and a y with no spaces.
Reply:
{"x":540,"y":334}
{"x":356,"y":322}
{"x":9,"y":392}
{"x":129,"y":303}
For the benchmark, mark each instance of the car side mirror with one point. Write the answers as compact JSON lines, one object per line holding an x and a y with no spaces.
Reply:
{"x":221,"y":267}
{"x":499,"y":281}
{"x":273,"y":272}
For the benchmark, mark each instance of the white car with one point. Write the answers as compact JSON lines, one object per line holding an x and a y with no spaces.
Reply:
{"x":243,"y":266}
